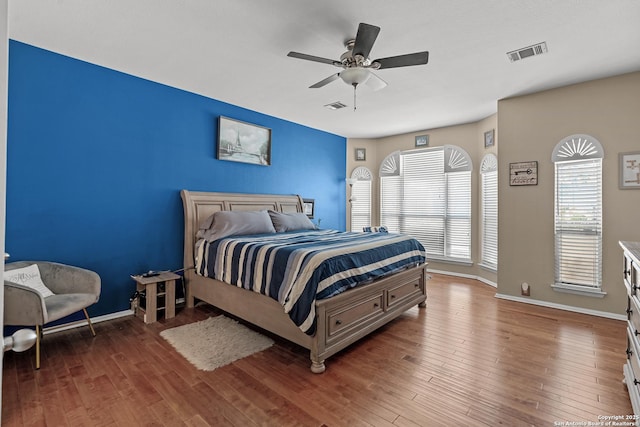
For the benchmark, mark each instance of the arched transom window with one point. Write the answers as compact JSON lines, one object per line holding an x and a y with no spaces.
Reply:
{"x":360,"y":198}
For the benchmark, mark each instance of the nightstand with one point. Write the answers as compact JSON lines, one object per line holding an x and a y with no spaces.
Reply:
{"x":160,"y":294}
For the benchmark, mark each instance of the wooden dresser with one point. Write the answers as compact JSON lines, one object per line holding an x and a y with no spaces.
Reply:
{"x":631,"y":272}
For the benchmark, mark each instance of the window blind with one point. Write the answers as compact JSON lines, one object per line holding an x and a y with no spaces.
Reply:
{"x":489,"y":256}
{"x":578,"y":222}
{"x":458,"y":215}
{"x":360,"y":205}
{"x":429,"y":204}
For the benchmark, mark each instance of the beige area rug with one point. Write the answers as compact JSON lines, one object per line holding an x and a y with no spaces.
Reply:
{"x":215,"y":342}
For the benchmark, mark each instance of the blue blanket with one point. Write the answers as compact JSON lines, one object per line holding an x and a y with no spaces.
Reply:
{"x":297,"y":268}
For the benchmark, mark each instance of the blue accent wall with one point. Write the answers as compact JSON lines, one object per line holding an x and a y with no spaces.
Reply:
{"x":96,"y":159}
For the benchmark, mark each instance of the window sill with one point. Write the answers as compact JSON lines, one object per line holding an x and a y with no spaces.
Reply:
{"x":578,"y":290}
{"x":456,"y":261}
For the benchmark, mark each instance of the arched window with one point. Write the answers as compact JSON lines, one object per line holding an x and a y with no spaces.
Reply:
{"x":360,"y":198}
{"x":578,"y":215}
{"x":489,"y":209}
{"x":426,"y":193}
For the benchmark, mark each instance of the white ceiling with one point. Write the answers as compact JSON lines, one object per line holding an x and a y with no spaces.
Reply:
{"x":235,"y":51}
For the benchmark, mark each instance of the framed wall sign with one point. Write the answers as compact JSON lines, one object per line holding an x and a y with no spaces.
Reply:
{"x":243,"y":142}
{"x":629,"y":170}
{"x":523,"y":173}
{"x":361,"y":154}
{"x":422,"y":141}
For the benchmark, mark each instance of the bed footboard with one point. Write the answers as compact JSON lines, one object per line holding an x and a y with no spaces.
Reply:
{"x":352,"y":315}
{"x":341,"y":320}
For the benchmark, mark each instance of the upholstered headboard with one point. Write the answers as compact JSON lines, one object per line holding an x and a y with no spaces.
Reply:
{"x":198,"y":206}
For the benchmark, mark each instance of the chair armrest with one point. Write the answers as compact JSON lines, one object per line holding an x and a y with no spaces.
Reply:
{"x":23,"y":306}
{"x":67,"y":279}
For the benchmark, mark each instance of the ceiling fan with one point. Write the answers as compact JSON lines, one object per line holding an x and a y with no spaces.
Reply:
{"x":357,"y":65}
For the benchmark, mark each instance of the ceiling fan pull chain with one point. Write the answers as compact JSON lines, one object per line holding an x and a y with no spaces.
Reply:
{"x":354,"y":96}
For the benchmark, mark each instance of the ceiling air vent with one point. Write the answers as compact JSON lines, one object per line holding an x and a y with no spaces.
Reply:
{"x":335,"y":105}
{"x":525,"y":52}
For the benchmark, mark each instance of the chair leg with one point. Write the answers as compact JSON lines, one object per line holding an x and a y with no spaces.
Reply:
{"x":38,"y":339}
{"x":89,"y":321}
{"x":39,"y":336}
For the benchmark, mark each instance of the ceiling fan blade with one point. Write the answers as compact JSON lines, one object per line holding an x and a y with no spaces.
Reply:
{"x":325,"y":81}
{"x":314,"y":58}
{"x":375,"y":83}
{"x":418,"y":58}
{"x":365,"y":38}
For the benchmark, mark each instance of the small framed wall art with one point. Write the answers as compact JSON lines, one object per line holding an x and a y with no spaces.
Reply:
{"x":629,"y":170}
{"x":309,"y":206}
{"x":361,"y":154}
{"x":489,"y":138}
{"x":422,"y":141}
{"x":523,"y":173}
{"x":243,"y":142}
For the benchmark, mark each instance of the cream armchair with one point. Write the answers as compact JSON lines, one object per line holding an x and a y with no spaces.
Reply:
{"x":74,"y":289}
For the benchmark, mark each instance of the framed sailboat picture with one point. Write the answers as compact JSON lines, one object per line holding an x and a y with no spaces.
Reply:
{"x":243,"y":142}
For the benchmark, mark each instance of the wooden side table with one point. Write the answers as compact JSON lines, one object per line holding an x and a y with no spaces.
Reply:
{"x":150,"y":285}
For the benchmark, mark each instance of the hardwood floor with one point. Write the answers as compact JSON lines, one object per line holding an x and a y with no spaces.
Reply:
{"x":467,"y":359}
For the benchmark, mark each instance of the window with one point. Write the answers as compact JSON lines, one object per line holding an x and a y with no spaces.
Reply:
{"x":426,"y":193}
{"x":360,"y":198}
{"x":489,"y":209}
{"x":578,"y":215}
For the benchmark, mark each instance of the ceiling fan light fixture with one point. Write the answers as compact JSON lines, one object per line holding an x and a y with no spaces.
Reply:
{"x":355,"y":76}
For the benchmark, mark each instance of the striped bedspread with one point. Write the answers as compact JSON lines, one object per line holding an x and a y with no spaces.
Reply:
{"x":297,"y":268}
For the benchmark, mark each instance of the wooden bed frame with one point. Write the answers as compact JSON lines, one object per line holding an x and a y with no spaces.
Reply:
{"x":341,"y":320}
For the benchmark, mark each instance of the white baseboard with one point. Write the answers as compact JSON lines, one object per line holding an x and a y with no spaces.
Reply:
{"x":487,"y":282}
{"x":466,"y":276}
{"x":124,"y":313}
{"x":83,"y":322}
{"x":605,"y":314}
{"x":97,"y":319}
{"x":563,"y":307}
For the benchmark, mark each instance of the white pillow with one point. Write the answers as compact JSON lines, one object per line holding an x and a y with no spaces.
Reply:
{"x":29,"y":277}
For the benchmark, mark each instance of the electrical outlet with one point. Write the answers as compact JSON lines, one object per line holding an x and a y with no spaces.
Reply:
{"x":525,"y":290}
